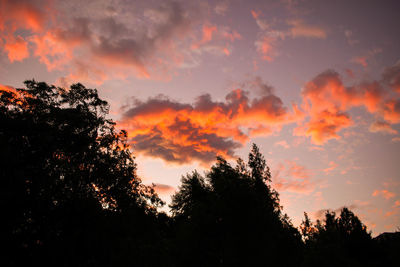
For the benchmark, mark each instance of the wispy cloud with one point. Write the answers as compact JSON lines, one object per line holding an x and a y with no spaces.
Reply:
{"x":384,"y":193}
{"x":292,"y":177}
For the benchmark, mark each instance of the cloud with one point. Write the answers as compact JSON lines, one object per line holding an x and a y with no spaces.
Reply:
{"x":262,"y":24}
{"x":215,"y":40}
{"x":382,"y":126}
{"x":17,"y":49}
{"x":300,"y":29}
{"x":208,"y":31}
{"x":349,"y":37}
{"x":94,"y":43}
{"x":181,"y":132}
{"x":20,"y":15}
{"x":391,"y":213}
{"x":326,"y":101}
{"x":221,"y":7}
{"x":292,"y":177}
{"x":184,"y":132}
{"x":25,"y":14}
{"x":163,"y":188}
{"x":266,"y":45}
{"x":269,"y":38}
{"x":283,"y":144}
{"x":332,"y":166}
{"x":364,"y":59}
{"x":391,"y":76}
{"x":384,"y":193}
{"x":391,"y":112}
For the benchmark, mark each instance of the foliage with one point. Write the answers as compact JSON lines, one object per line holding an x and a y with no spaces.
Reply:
{"x":342,"y":240}
{"x":64,"y":169}
{"x":233,"y":217}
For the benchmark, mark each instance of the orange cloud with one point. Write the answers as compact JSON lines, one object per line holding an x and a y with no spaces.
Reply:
{"x":326,"y":126}
{"x":292,"y":177}
{"x":180,"y":133}
{"x":17,"y":49}
{"x":384,"y":193}
{"x":22,"y":14}
{"x":326,"y":101}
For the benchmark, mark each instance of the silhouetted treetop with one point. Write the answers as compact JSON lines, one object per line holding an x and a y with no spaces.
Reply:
{"x":234,"y":215}
{"x":62,"y":161}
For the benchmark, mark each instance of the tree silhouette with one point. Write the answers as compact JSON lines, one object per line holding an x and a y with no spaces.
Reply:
{"x":71,"y":197}
{"x":342,"y":240}
{"x":66,"y":174}
{"x":233,"y":217}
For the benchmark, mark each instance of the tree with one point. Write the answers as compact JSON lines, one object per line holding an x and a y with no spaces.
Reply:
{"x":66,"y":173}
{"x":342,"y":240}
{"x":233,"y":217}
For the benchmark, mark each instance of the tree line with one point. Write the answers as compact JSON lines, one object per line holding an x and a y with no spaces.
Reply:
{"x":70,"y":196}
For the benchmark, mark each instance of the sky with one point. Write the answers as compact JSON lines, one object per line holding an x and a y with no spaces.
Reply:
{"x":315,"y":84}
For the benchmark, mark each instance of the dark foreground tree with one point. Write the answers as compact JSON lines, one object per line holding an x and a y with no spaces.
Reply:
{"x":232,"y":217}
{"x":338,"y":241}
{"x":69,"y":192}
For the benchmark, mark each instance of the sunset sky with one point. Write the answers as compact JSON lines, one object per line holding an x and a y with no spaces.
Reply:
{"x":315,"y":84}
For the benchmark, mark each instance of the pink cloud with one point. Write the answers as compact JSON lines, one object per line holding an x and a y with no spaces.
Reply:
{"x":283,"y":144}
{"x":300,"y":29}
{"x":332,"y":166}
{"x":292,"y":177}
{"x":163,"y":188}
{"x":265,"y":45}
{"x":207,"y":31}
{"x":364,"y":59}
{"x":384,"y":193}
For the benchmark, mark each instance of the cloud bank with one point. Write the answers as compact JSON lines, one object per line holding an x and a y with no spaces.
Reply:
{"x":95,"y":42}
{"x":182,"y":132}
